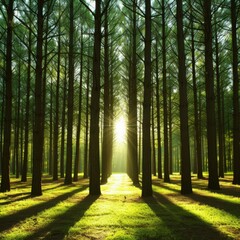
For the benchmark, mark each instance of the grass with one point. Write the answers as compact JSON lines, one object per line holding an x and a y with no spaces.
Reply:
{"x":67,"y":212}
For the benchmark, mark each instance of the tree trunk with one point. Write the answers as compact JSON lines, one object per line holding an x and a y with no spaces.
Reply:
{"x":106,"y":120}
{"x":154,"y":170}
{"x":77,"y":156}
{"x":63,"y":122}
{"x":219,"y":107}
{"x":186,"y":185}
{"x":94,"y":187}
{"x":236,"y":122}
{"x":146,"y":161}
{"x":38,"y":120}
{"x":165,"y":108}
{"x":213,"y":182}
{"x":159,"y":149}
{"x":27,"y":108}
{"x":86,"y":162}
{"x":198,"y":150}
{"x":56,"y":121}
{"x":68,"y":176}
{"x":132,"y":114}
{"x":5,"y":182}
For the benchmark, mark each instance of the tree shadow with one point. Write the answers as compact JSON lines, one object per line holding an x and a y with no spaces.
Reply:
{"x":16,"y":198}
{"x":59,"y":228}
{"x":215,"y":202}
{"x":12,"y":219}
{"x":181,"y":223}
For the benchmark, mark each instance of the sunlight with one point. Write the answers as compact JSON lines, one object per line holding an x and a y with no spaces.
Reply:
{"x":120,"y":130}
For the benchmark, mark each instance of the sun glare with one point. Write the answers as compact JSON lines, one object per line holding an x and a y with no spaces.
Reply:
{"x":120,"y":130}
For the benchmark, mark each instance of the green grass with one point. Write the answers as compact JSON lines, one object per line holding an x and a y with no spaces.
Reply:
{"x":67,"y":212}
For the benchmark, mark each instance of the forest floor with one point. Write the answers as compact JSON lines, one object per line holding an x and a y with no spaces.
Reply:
{"x":67,"y":212}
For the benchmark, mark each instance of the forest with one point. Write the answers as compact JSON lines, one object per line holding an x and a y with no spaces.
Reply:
{"x":91,"y":89}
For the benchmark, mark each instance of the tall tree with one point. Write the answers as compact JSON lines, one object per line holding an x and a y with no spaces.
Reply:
{"x":236,"y":121}
{"x":86,"y":162}
{"x":38,"y":134}
{"x":132,"y":112}
{"x":94,"y":187}
{"x":198,"y":150}
{"x":106,"y":121}
{"x":79,"y":122}
{"x":165,"y":108}
{"x":5,"y":181}
{"x":56,"y":120}
{"x":159,"y":150}
{"x":27,"y":107}
{"x":213,"y":182}
{"x":68,"y":176}
{"x":186,"y":185}
{"x":146,"y":157}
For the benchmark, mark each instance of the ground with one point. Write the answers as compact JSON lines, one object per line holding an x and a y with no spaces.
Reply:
{"x":68,"y":212}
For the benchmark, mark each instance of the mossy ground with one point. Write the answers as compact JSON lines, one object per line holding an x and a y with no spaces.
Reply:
{"x":67,"y":212}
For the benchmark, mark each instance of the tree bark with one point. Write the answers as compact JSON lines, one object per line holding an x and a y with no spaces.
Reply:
{"x":94,"y":187}
{"x":68,"y":176}
{"x":132,"y":114}
{"x":27,"y":108}
{"x":165,"y":107}
{"x":159,"y":150}
{"x":38,"y":120}
{"x":78,"y":149}
{"x":236,"y":122}
{"x":106,"y":120}
{"x":5,"y":181}
{"x":146,"y":157}
{"x":186,"y":185}
{"x":213,"y":182}
{"x":198,"y":150}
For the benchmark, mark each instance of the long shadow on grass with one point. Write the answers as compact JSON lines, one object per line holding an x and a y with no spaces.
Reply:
{"x":11,"y":198}
{"x":230,"y":207}
{"x":181,"y":223}
{"x":17,"y":198}
{"x":12,"y":219}
{"x":60,"y":226}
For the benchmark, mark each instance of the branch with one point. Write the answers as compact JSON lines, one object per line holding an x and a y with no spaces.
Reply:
{"x":86,"y":6}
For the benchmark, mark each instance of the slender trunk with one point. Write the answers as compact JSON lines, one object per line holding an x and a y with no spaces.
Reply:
{"x":5,"y":181}
{"x":236,"y":121}
{"x":94,"y":187}
{"x":86,"y":162}
{"x":165,"y":110}
{"x":132,"y":115}
{"x":56,"y":120}
{"x":198,"y":149}
{"x":62,"y":162}
{"x":77,"y":156}
{"x":154,"y":171}
{"x":38,"y":119}
{"x":27,"y":108}
{"x":159,"y":145}
{"x":170,"y":129}
{"x":17,"y":136}
{"x":219,"y":107}
{"x":186,"y":185}
{"x":68,"y":176}
{"x":213,"y":182}
{"x":146,"y":161}
{"x":106,"y":122}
